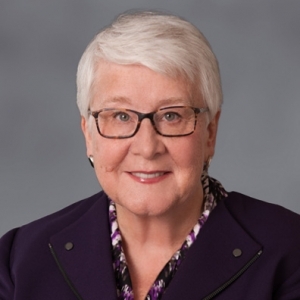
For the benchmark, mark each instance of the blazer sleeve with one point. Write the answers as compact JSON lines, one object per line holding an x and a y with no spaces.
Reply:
{"x":6,"y":282}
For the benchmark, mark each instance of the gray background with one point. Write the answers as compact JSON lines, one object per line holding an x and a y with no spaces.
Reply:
{"x":43,"y":165}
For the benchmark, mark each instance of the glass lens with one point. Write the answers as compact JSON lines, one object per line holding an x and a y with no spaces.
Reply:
{"x":117,"y":122}
{"x":175,"y":120}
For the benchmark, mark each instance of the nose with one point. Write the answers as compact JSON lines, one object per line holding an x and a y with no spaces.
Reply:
{"x":147,"y":142}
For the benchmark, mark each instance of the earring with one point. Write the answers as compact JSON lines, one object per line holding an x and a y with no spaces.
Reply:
{"x":91,"y":160}
{"x":207,"y":164}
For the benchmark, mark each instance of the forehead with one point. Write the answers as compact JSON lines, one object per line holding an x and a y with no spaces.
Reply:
{"x":139,"y":86}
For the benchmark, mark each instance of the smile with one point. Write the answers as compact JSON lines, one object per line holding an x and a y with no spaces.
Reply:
{"x":147,"y":175}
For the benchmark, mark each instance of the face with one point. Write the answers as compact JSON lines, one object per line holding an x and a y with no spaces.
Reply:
{"x":148,"y":174}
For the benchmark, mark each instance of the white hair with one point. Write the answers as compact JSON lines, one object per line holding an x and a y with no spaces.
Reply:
{"x":164,"y":43}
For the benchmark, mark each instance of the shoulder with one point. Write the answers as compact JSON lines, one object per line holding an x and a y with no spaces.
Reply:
{"x":276,"y":229}
{"x":43,"y":228}
{"x":24,"y":251}
{"x":254,"y":214}
{"x":266,"y":222}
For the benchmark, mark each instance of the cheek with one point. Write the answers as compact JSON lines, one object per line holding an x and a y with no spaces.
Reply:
{"x":108,"y":155}
{"x":189,"y":156}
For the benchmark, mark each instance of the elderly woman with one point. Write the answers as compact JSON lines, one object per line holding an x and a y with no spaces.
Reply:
{"x":149,"y":95}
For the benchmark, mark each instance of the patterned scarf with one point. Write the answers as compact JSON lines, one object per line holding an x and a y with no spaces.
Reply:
{"x":213,"y":192}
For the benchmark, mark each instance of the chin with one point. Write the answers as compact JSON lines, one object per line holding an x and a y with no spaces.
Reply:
{"x":145,"y":208}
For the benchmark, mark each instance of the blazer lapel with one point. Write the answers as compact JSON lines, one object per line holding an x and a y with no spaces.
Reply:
{"x":221,"y":250}
{"x":84,"y":254}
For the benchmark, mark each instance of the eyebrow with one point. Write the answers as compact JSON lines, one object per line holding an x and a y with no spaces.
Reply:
{"x":160,"y":103}
{"x":116,"y":100}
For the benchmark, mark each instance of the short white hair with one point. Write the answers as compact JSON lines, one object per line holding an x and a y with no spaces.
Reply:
{"x":164,"y":43}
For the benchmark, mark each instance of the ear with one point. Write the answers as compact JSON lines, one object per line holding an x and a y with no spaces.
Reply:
{"x":87,"y":135}
{"x":212,"y":129}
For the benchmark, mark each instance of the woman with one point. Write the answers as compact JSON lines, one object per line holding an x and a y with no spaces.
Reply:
{"x":149,"y":94}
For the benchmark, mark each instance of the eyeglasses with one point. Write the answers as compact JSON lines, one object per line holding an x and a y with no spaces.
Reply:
{"x":122,"y":123}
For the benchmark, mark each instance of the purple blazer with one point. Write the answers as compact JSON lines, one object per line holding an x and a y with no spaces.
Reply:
{"x":247,"y":250}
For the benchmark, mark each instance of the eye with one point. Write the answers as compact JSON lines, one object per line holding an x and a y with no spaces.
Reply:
{"x":171,"y":116}
{"x":121,"y":116}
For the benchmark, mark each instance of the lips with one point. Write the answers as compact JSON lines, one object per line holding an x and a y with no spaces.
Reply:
{"x":148,"y":177}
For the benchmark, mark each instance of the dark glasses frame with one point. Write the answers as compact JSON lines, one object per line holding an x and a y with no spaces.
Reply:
{"x":150,"y":116}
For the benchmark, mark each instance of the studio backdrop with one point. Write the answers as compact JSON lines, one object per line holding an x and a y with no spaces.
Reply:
{"x":43,"y":164}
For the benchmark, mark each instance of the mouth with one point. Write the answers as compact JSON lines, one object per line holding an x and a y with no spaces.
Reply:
{"x":148,"y":177}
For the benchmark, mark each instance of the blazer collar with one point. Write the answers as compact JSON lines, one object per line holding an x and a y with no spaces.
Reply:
{"x":88,"y":264}
{"x":212,"y":260}
{"x":221,"y":250}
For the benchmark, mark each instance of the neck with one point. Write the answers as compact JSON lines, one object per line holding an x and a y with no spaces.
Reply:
{"x":150,"y":241}
{"x":167,"y":230}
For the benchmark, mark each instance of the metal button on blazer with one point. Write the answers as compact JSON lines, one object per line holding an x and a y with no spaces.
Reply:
{"x":69,"y":246}
{"x":237,"y":252}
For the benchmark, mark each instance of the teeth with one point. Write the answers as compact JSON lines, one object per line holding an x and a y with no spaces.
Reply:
{"x":147,"y":175}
